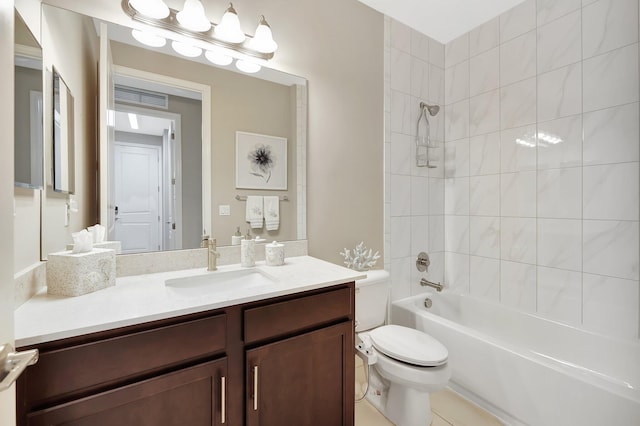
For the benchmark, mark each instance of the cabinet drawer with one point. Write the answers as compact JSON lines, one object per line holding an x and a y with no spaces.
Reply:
{"x":83,"y":368}
{"x":298,"y":314}
{"x":191,"y":396}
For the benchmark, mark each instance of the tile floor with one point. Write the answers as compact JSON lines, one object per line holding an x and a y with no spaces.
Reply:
{"x":448,"y":408}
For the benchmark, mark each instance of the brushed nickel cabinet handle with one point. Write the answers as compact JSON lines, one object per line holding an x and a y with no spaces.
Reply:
{"x":255,"y":388}
{"x":223,"y":399}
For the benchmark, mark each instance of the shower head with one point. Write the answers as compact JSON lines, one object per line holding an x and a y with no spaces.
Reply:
{"x":433,"y":109}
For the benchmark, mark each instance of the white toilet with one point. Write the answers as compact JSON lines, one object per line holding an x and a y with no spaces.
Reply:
{"x":405,"y":364}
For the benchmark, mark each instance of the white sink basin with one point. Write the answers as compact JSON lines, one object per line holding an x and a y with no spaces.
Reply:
{"x":219,"y":281}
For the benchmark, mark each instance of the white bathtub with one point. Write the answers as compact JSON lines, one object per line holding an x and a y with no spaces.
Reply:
{"x":528,"y":370}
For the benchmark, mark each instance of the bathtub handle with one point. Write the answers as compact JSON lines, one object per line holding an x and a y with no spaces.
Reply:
{"x":423,"y":262}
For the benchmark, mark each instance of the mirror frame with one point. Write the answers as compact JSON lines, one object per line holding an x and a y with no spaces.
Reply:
{"x":63,"y":178}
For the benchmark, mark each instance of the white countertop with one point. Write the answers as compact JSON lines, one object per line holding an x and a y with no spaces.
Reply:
{"x":142,"y":298}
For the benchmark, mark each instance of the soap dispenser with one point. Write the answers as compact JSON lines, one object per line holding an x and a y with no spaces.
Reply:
{"x":236,"y":238}
{"x":248,"y":252}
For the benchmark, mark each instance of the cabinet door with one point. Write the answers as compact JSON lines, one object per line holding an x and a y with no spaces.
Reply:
{"x":192,"y":396}
{"x":304,"y":380}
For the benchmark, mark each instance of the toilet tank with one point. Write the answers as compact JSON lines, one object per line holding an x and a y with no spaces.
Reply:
{"x":372,"y":295}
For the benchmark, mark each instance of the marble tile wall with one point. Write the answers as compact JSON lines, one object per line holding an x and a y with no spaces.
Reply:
{"x":541,"y":162}
{"x":414,"y":196}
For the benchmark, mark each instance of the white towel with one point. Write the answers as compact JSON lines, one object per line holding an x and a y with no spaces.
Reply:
{"x":254,"y":211}
{"x":272,"y":212}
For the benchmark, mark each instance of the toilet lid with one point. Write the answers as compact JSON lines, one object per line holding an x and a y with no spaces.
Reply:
{"x":409,"y":345}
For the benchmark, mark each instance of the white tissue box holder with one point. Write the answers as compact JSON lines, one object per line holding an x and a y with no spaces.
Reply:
{"x":75,"y":274}
{"x":115,"y":245}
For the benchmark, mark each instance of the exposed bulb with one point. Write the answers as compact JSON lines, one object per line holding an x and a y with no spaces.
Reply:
{"x":218,"y":57}
{"x":247,"y":66}
{"x":186,"y":49}
{"x":148,"y":38}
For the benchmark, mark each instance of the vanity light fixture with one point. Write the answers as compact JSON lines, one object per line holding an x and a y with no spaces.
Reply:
{"x":156,"y":9}
{"x":222,"y":44}
{"x":148,"y":39}
{"x":229,"y":28}
{"x":262,"y":41}
{"x":186,"y":49}
{"x":218,"y":57}
{"x":192,"y":16}
{"x":247,"y":66}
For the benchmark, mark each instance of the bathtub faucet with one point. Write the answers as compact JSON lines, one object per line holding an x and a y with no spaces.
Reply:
{"x":427,"y":283}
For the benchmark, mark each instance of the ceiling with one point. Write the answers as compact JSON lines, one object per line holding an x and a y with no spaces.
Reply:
{"x":147,"y":125}
{"x":443,"y":20}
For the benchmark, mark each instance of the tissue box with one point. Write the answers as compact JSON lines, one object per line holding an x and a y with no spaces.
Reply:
{"x":70,"y":274}
{"x":115,"y":245}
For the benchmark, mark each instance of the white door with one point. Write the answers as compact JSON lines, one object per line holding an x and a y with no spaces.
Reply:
{"x":137,"y":186}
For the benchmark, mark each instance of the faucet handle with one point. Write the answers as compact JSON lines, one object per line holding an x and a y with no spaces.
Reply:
{"x":423,"y":262}
{"x":212,"y":247}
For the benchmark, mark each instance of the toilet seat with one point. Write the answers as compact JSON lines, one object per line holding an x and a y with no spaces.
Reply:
{"x":409,"y":345}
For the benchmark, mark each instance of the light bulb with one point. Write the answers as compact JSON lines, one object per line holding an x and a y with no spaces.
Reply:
{"x":156,"y":9}
{"x":247,"y":66}
{"x":262,"y":41}
{"x":217,"y":57}
{"x":229,"y":27}
{"x":186,"y":49}
{"x":192,"y":16}
{"x":148,"y":38}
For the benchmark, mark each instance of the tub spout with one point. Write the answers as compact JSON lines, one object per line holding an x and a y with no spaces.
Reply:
{"x":427,"y":283}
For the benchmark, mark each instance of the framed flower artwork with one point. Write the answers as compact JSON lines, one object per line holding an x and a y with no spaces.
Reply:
{"x":261,"y":161}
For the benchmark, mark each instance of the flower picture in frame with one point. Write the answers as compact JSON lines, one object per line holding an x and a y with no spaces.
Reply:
{"x":261,"y":161}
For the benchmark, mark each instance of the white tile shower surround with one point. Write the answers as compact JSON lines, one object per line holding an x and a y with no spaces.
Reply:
{"x":536,"y":199}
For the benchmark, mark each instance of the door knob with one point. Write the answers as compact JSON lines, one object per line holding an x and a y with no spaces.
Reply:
{"x":12,"y":364}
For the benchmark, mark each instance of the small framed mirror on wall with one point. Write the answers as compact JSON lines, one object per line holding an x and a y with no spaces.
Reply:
{"x":28,"y":145}
{"x":63,"y":137}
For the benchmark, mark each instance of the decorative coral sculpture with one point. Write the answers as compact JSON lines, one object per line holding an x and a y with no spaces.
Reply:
{"x":361,"y":259}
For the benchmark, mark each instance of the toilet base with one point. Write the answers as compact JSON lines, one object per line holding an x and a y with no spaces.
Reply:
{"x":403,"y":405}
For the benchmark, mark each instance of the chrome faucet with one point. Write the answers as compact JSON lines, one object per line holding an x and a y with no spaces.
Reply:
{"x":212,"y":255}
{"x":427,"y":283}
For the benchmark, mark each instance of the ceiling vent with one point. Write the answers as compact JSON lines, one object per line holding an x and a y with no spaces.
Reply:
{"x":131,"y":95}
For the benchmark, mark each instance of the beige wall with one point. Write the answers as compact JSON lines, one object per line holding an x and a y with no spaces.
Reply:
{"x":240,"y":103}
{"x":7,"y":398}
{"x":70,"y":43}
{"x":336,"y":45}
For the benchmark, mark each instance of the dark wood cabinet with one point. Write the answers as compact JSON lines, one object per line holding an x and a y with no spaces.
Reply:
{"x":191,"y":396}
{"x":295,"y":353}
{"x":304,"y":380}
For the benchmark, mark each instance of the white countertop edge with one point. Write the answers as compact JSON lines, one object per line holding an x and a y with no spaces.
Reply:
{"x":40,"y":320}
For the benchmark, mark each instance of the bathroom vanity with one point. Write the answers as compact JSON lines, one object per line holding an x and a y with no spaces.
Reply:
{"x":284,"y":353}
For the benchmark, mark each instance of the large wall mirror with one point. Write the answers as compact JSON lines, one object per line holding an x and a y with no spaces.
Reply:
{"x":28,"y":148}
{"x":167,"y":143}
